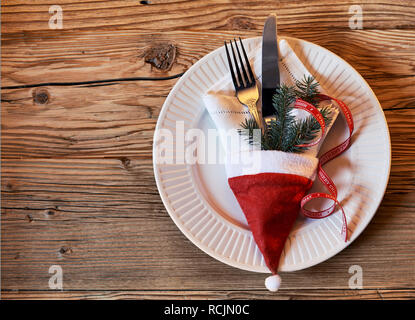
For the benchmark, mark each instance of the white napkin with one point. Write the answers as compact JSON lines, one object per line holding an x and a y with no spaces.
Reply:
{"x":228,"y":113}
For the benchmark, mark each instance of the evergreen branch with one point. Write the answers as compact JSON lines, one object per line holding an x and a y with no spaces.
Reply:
{"x":307,"y":89}
{"x":248,"y":129}
{"x":285,"y":132}
{"x":282,"y":101}
{"x":307,"y":130}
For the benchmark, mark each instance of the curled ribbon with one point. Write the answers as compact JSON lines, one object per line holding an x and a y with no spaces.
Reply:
{"x":304,"y":105}
{"x":328,"y":156}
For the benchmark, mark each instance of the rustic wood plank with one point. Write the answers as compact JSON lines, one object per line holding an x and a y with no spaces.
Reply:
{"x":396,"y":294}
{"x":99,"y":219}
{"x":81,"y":56}
{"x":114,"y":121}
{"x":118,"y":120}
{"x":26,"y":16}
{"x":109,"y":121}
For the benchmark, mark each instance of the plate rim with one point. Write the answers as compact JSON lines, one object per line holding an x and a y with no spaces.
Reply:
{"x":195,"y":241}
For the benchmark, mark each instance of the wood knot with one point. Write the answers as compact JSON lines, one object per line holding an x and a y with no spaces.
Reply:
{"x":65,"y":250}
{"x":161,"y":56}
{"x":29,"y":218}
{"x":12,"y":186}
{"x":40,"y":96}
{"x":49,"y":213}
{"x":125,"y":162}
{"x":241,"y":23}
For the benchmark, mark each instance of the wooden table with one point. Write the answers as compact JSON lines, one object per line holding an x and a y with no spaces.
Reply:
{"x":78,"y":188}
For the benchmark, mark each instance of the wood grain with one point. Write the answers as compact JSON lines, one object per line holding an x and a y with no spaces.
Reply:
{"x":213,"y":15}
{"x":78,"y":188}
{"x":113,"y":120}
{"x":119,"y":218}
{"x":216,"y":295}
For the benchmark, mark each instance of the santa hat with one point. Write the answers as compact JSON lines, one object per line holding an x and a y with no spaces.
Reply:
{"x":269,"y":186}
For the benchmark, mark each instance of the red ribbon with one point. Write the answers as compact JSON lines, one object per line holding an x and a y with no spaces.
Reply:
{"x":329,"y":155}
{"x":304,"y":105}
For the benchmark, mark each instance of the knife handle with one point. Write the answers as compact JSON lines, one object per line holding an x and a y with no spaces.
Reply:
{"x":267,"y":107}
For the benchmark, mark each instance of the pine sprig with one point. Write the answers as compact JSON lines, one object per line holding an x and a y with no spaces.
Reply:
{"x":307,"y":89}
{"x":248,"y":130}
{"x":285,"y":119}
{"x":285,"y":132}
{"x":306,"y":130}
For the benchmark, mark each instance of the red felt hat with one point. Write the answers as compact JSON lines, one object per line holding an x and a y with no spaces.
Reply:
{"x":269,"y":187}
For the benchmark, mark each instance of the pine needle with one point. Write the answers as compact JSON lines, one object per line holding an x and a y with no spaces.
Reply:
{"x":285,"y":132}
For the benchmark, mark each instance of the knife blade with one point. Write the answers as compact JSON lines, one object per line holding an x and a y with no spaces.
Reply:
{"x":270,"y":71}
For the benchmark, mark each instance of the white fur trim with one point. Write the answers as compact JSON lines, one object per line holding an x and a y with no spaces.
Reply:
{"x":272,"y":283}
{"x":260,"y":161}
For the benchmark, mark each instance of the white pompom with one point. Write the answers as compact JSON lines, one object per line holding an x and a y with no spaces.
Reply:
{"x":273,"y":282}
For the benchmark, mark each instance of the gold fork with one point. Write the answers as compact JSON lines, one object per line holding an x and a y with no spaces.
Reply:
{"x":245,"y":86}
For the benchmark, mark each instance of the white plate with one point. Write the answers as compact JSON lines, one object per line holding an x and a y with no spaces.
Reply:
{"x":198,"y":197}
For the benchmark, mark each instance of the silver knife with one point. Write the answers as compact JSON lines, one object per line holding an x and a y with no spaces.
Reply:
{"x":270,"y":71}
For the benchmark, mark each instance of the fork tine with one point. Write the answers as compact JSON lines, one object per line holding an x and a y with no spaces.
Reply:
{"x":251,"y":75}
{"x":235,"y":84}
{"x":241,"y":81}
{"x":241,"y":63}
